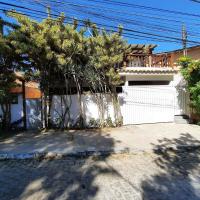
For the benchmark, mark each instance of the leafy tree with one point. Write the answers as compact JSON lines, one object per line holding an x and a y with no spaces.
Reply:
{"x":10,"y":61}
{"x":108,"y":50}
{"x":34,"y":40}
{"x":191,"y":72}
{"x":7,"y":81}
{"x":66,"y":55}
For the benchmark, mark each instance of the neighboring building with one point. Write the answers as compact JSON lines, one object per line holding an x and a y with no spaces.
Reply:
{"x":193,"y":52}
{"x":154,"y":89}
{"x":26,"y":104}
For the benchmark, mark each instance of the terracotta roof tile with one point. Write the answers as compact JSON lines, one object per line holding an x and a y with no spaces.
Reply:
{"x":31,"y":87}
{"x":147,"y":70}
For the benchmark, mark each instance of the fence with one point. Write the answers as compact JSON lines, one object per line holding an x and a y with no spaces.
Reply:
{"x":139,"y":104}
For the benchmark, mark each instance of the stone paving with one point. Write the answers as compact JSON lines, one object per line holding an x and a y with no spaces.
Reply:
{"x":136,"y":138}
{"x":169,"y":175}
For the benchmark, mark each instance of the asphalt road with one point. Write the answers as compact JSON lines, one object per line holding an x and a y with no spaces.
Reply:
{"x":157,"y":176}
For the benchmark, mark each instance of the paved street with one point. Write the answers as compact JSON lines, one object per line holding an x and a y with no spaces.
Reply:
{"x":160,"y":175}
{"x":136,"y":138}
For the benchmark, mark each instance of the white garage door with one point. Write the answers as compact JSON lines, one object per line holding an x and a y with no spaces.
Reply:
{"x":148,"y":104}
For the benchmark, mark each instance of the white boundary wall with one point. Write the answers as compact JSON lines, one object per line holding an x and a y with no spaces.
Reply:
{"x":89,"y":105}
{"x":139,"y":104}
{"x":16,"y":110}
{"x":33,"y":111}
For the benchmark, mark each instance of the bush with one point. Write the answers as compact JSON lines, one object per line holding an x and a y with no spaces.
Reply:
{"x":109,"y":123}
{"x":191,"y":72}
{"x":95,"y":123}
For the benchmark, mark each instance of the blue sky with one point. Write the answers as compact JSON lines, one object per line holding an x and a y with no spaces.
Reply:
{"x":136,"y":20}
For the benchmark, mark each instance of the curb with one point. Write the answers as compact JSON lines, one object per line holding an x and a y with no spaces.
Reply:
{"x":92,"y":152}
{"x":54,"y":155}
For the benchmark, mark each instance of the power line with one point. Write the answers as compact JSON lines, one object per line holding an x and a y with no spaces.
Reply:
{"x":137,"y":23}
{"x":100,"y":8}
{"x":130,"y":35}
{"x":134,"y":36}
{"x":95,"y":13}
{"x":112,"y":10}
{"x":115,"y":2}
{"x":128,"y":30}
{"x":152,"y":15}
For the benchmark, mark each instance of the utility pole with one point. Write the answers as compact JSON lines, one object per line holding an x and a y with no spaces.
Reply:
{"x":1,"y":26}
{"x":184,"y":40}
{"x":48,"y":11}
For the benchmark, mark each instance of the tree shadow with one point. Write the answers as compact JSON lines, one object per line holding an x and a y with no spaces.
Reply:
{"x":59,"y":142}
{"x":178,"y":160}
{"x":67,"y":178}
{"x":33,"y":109}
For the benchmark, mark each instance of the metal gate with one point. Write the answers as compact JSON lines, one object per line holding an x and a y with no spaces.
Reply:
{"x":148,"y":104}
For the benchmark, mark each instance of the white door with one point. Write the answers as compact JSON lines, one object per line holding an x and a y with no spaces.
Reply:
{"x":148,"y":104}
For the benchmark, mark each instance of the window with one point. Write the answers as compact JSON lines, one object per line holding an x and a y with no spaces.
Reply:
{"x":131,"y":83}
{"x":119,"y":89}
{"x":14,"y":99}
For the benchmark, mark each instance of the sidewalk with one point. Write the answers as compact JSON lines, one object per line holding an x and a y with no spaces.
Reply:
{"x":129,"y":139}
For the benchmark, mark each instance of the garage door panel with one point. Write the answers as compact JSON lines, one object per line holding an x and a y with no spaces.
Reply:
{"x":148,"y":104}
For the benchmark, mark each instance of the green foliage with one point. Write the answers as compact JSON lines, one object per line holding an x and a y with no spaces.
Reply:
{"x":108,"y":122}
{"x":107,"y":54}
{"x":191,"y":72}
{"x":7,"y":81}
{"x":195,"y":96}
{"x":10,"y":61}
{"x":60,"y":55}
{"x":94,"y":123}
{"x":119,"y":122}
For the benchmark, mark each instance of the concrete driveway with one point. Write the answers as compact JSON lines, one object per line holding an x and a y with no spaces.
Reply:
{"x":135,"y":138}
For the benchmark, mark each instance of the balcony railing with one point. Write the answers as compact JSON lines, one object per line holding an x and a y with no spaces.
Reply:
{"x":145,"y":60}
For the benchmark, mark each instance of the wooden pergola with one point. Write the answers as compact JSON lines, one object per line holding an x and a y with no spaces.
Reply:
{"x":143,"y":54}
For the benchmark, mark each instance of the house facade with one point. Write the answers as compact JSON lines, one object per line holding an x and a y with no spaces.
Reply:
{"x":154,"y":90}
{"x":26,"y":104}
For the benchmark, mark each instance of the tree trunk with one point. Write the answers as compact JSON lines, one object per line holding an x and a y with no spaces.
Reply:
{"x":6,"y":118}
{"x":117,"y":109}
{"x":81,"y":117}
{"x":45,"y":112}
{"x":50,"y":99}
{"x":24,"y":104}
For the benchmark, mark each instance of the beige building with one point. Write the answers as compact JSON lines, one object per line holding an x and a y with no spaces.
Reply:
{"x":193,"y":52}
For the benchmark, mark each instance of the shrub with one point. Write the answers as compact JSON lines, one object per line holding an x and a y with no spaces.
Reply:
{"x":191,"y":72}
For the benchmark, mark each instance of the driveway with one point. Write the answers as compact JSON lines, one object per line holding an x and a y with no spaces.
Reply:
{"x":136,"y":138}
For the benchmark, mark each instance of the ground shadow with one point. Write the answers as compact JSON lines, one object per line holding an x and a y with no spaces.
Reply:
{"x":177,"y":160}
{"x":58,"y":141}
{"x":67,"y":178}
{"x":33,"y":109}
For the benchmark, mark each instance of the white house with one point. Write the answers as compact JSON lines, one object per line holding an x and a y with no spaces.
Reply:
{"x":26,"y":104}
{"x":154,"y":90}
